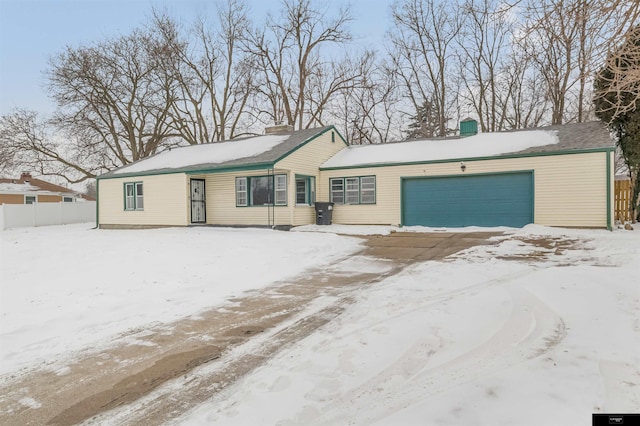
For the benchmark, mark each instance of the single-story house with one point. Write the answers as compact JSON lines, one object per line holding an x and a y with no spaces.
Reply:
{"x":556,"y":176}
{"x":29,"y":190}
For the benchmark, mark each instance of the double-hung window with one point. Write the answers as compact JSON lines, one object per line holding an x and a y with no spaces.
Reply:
{"x":305,"y":190}
{"x":353,"y":190}
{"x":261,"y":191}
{"x":133,"y":196}
{"x":337,"y":191}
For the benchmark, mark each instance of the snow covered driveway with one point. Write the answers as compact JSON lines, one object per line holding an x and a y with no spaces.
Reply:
{"x":542,"y":322}
{"x":542,"y":328}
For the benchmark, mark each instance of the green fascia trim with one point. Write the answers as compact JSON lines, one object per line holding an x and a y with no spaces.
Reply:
{"x":225,"y":169}
{"x":331,"y":128}
{"x":511,"y":172}
{"x":609,"y":224}
{"x":469,"y":159}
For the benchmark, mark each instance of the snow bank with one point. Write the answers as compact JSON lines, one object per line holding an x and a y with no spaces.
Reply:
{"x":212,"y":153}
{"x":481,"y":145}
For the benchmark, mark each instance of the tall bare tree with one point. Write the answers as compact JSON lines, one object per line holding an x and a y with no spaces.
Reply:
{"x":566,"y":38}
{"x":484,"y":42}
{"x":292,"y":52}
{"x":214,"y":77}
{"x":422,"y":39}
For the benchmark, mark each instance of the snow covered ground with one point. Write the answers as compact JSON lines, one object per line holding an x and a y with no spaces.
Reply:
{"x":476,"y":340}
{"x":65,"y":287}
{"x":512,"y":333}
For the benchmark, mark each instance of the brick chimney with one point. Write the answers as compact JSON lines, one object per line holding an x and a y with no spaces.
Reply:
{"x":278,"y":128}
{"x":25,"y":176}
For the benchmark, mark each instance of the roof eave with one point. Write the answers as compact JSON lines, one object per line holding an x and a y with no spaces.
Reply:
{"x":468,"y":159}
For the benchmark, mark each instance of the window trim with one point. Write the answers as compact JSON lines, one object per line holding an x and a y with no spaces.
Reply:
{"x":309,"y":190}
{"x":331,"y":191}
{"x":35,"y":199}
{"x":274,"y":178}
{"x":343,"y":181}
{"x":64,"y":199}
{"x":245,"y":192}
{"x":134,"y":196}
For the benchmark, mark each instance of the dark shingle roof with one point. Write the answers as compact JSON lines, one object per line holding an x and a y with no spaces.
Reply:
{"x":574,"y":137}
{"x":289,"y":144}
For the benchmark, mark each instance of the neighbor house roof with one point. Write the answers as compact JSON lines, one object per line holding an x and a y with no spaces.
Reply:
{"x":578,"y":137}
{"x":26,"y":183}
{"x":259,"y":151}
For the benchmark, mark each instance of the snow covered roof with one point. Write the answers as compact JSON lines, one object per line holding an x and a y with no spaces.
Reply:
{"x":568,"y":137}
{"x":17,"y":187}
{"x":265,"y":149}
{"x":28,"y":184}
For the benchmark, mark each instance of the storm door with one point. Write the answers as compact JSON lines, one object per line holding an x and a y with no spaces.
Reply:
{"x":198,"y":207}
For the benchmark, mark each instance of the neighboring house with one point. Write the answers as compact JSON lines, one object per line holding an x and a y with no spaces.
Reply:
{"x":556,"y":176}
{"x":29,"y":190}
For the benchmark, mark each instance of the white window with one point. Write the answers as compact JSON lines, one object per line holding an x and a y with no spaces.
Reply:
{"x":281,"y":190}
{"x":67,"y":199}
{"x":305,"y":190}
{"x":29,"y":199}
{"x":368,"y":190}
{"x":337,"y":191}
{"x":261,"y":190}
{"x":133,"y":196}
{"x":352,"y":190}
{"x":241,"y":191}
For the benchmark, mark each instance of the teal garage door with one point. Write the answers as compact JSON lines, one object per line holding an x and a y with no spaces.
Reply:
{"x":503,"y":199}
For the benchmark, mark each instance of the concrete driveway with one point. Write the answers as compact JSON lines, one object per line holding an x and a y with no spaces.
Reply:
{"x":99,"y":383}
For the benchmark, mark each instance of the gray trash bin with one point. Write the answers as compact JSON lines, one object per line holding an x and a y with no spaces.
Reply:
{"x":324,"y":213}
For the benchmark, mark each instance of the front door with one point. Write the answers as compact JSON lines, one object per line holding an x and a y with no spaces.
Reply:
{"x":198,"y":207}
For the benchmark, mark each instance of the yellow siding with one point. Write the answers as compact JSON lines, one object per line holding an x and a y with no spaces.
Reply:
{"x":221,"y":193}
{"x":221,"y":203}
{"x":306,"y":161}
{"x":165,"y":201}
{"x":570,"y":190}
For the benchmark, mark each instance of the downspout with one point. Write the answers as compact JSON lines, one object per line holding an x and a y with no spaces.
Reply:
{"x":609,"y":183}
{"x":97,"y":204}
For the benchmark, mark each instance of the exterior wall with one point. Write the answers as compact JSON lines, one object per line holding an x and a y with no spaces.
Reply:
{"x":49,"y":198}
{"x":165,"y":201}
{"x":221,"y":202}
{"x":11,"y":199}
{"x":306,"y":161}
{"x":570,"y":190}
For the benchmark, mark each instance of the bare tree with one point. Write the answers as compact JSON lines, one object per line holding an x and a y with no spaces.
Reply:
{"x":32,"y":144}
{"x":484,"y":52}
{"x":297,"y":78}
{"x":115,"y":97}
{"x":367,"y":111}
{"x":214,"y":76}
{"x":565,"y":38}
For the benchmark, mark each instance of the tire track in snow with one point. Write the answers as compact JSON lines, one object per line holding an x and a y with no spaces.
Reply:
{"x":531,"y":330}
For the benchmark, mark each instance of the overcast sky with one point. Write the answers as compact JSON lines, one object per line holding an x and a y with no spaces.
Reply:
{"x":31,"y":31}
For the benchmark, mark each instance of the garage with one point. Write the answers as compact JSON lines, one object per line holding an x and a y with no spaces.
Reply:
{"x":497,"y":199}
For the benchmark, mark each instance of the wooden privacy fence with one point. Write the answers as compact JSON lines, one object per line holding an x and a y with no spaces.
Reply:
{"x":622,"y":200}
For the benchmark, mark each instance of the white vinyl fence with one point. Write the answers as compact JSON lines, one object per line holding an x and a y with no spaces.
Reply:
{"x":44,"y":214}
